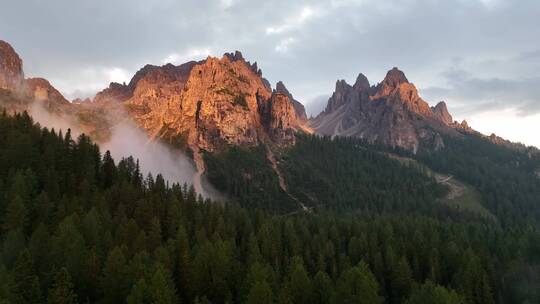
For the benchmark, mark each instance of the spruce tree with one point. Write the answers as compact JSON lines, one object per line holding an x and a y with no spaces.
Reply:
{"x":26,"y":288}
{"x":161,"y":287}
{"x":61,"y":291}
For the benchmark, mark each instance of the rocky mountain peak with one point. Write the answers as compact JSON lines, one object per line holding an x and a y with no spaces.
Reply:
{"x":280,"y":88}
{"x":236,"y":56}
{"x":11,"y":67}
{"x":342,"y":86}
{"x":213,"y":104}
{"x":43,"y":91}
{"x":298,"y":106}
{"x":341,"y":96}
{"x":394,"y":78}
{"x":441,"y":112}
{"x":392,"y":113}
{"x":361,"y":83}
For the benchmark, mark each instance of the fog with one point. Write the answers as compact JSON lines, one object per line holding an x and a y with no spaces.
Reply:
{"x":53,"y":121}
{"x":125,"y":140}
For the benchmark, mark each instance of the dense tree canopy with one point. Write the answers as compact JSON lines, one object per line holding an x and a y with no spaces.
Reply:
{"x":79,"y":227}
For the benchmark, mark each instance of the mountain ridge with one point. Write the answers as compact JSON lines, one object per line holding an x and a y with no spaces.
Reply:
{"x":388,"y":113}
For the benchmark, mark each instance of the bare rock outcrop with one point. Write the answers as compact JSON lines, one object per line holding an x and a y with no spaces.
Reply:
{"x":390,"y":113}
{"x":42,"y":91}
{"x":11,"y":68}
{"x":298,"y":106}
{"x":441,"y":113}
{"x":279,"y":118}
{"x":211,"y":104}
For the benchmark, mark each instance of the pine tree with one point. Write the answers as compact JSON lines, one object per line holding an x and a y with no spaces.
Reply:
{"x":6,"y":281}
{"x":358,"y":286}
{"x":323,"y":289}
{"x":139,"y":294}
{"x":434,"y":294}
{"x":260,"y":293}
{"x":115,"y":280}
{"x":61,"y":291}
{"x":26,"y":288}
{"x":108,"y":170}
{"x":299,"y":284}
{"x":14,"y":243}
{"x":401,"y":280}
{"x":16,"y":215}
{"x":154,"y":234}
{"x":161,"y":287}
{"x":183,"y":263}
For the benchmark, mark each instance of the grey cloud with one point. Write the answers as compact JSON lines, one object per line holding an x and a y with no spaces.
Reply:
{"x":472,"y":90}
{"x":62,"y":39}
{"x":480,"y":95}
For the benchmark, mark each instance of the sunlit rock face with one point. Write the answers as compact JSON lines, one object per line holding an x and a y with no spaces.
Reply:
{"x":389,"y":113}
{"x":298,"y":106}
{"x":209,"y":105}
{"x":11,"y":70}
{"x":441,"y":112}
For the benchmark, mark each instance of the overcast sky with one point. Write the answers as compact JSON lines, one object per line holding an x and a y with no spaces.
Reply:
{"x":481,"y":56}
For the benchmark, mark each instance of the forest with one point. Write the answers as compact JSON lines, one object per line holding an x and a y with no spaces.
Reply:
{"x":80,"y":227}
{"x":506,"y":177}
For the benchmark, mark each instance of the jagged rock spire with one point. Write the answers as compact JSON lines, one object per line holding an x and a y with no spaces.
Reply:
{"x":11,"y":70}
{"x":441,"y":112}
{"x":361,"y":83}
{"x":394,"y":78}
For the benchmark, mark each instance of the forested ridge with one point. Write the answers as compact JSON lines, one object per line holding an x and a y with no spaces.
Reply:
{"x":324,"y":173}
{"x":506,"y":177}
{"x":78,"y":227}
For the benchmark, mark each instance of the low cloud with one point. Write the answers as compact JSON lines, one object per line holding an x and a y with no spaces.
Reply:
{"x":316,"y":105}
{"x":128,"y":140}
{"x":125,"y":140}
{"x":189,"y":55}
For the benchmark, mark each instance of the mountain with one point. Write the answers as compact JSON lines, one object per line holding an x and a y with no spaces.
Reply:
{"x":210,"y":105}
{"x":448,"y":215}
{"x":11,"y":71}
{"x":389,"y":113}
{"x":298,"y":106}
{"x":207,"y":105}
{"x":12,"y":79}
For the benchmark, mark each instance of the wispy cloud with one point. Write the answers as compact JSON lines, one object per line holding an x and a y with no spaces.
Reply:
{"x":191,"y":54}
{"x":284,"y":44}
{"x":294,"y":22}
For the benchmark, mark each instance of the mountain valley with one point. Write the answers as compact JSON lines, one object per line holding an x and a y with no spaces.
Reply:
{"x":213,"y":186}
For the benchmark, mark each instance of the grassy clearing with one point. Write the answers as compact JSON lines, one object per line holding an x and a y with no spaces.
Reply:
{"x":461,"y":196}
{"x":469,"y":201}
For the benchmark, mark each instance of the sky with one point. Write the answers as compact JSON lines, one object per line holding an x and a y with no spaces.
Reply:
{"x":480,"y":56}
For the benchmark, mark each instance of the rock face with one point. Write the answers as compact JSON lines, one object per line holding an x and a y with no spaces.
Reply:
{"x":11,"y":71}
{"x":18,"y":94}
{"x":298,"y":106}
{"x":207,"y":105}
{"x":279,"y":118}
{"x":211,"y":104}
{"x":441,"y":112}
{"x":42,"y":91}
{"x":390,"y":113}
{"x":25,"y":91}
